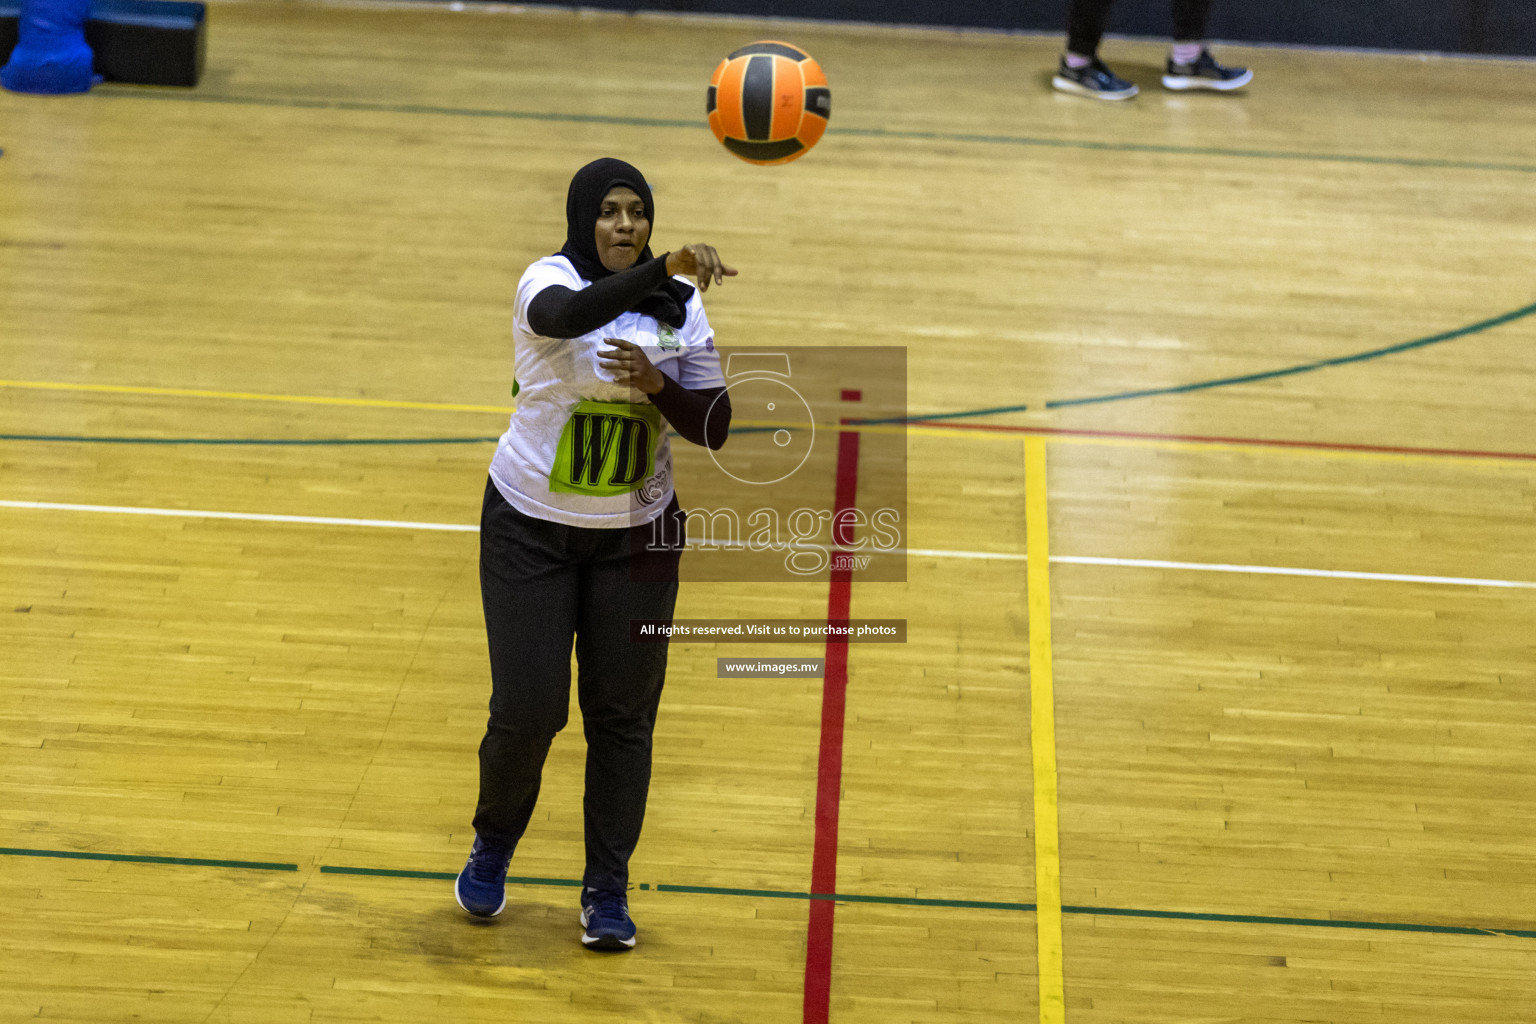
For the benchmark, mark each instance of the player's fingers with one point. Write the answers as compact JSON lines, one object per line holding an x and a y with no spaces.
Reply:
{"x":709,"y":266}
{"x":721,"y":270}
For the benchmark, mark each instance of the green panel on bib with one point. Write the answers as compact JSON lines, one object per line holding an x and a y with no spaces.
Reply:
{"x":606,"y":449}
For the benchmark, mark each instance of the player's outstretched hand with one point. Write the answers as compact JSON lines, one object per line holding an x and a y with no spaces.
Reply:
{"x":700,"y":262}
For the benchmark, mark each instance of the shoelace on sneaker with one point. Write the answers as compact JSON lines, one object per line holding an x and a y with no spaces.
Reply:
{"x":606,"y":905}
{"x":486,"y":863}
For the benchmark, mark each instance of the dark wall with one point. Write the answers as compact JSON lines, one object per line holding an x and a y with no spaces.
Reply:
{"x":1451,"y":26}
{"x":1454,"y":26}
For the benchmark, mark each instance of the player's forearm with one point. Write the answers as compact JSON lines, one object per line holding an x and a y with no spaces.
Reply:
{"x":702,"y":416}
{"x":560,"y":312}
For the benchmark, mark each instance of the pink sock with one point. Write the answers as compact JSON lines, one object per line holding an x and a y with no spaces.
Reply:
{"x":1187,"y":53}
{"x":1077,"y":60}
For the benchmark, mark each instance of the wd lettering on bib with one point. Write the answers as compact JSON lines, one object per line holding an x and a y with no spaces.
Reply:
{"x":606,"y":449}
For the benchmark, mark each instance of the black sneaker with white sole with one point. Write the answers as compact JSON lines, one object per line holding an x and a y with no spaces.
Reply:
{"x":1204,"y":73}
{"x":1095,"y":80}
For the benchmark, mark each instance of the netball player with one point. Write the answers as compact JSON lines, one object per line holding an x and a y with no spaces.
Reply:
{"x":1190,"y":64}
{"x":612,"y":348}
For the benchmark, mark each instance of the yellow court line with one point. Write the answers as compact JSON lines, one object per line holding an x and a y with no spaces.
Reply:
{"x":249,"y":396}
{"x":387,"y":403}
{"x":1042,"y":740}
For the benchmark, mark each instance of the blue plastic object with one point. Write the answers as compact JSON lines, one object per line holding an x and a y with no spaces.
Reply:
{"x":51,"y":54}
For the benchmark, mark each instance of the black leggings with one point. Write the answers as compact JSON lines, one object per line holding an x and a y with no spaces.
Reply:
{"x":543,"y":584}
{"x":1087,"y":18}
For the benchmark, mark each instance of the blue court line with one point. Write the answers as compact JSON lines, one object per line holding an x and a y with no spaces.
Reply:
{"x":787,"y":894}
{"x":877,"y":133}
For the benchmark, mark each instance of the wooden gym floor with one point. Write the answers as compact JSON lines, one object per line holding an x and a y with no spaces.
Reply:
{"x":237,"y":755}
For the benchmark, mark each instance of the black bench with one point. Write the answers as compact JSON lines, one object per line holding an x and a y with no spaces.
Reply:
{"x":146,"y":42}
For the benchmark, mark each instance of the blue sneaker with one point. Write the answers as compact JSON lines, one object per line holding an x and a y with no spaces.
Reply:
{"x":482,"y":886}
{"x":605,"y":916}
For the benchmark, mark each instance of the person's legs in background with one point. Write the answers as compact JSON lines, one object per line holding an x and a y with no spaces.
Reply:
{"x":1190,"y":64}
{"x":1080,"y":71}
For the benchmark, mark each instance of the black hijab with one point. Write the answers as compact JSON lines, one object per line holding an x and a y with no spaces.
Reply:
{"x":669,"y":302}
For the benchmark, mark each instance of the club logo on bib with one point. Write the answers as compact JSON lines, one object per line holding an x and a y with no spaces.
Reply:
{"x":667,"y":340}
{"x":651,"y":491}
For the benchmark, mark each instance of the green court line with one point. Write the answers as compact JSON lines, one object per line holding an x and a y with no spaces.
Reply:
{"x":447,"y":876}
{"x":995,"y":410}
{"x":298,"y":103}
{"x":1358,"y":357}
{"x":1305,"y":922}
{"x":1219,"y":382}
{"x":877,"y":133}
{"x":328,"y":869}
{"x":788,"y":894}
{"x":1134,"y":147}
{"x":937,"y":417}
{"x":135,"y":858}
{"x":703,"y":890}
{"x":991,"y":410}
{"x":846,"y":897}
{"x":915,"y":901}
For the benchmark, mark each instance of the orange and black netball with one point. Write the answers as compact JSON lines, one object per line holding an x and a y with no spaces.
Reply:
{"x":769,"y":102}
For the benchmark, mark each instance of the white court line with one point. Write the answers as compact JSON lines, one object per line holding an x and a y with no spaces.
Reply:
{"x":1275,"y":570}
{"x":990,"y":556}
{"x":258,"y":517}
{"x":980,"y":556}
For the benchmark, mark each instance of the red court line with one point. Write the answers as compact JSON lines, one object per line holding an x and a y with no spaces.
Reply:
{"x":829,"y":769}
{"x":1266,"y":442}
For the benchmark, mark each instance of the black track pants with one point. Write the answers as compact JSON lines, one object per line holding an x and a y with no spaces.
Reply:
{"x":1086,"y":20}
{"x":542,"y":585}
